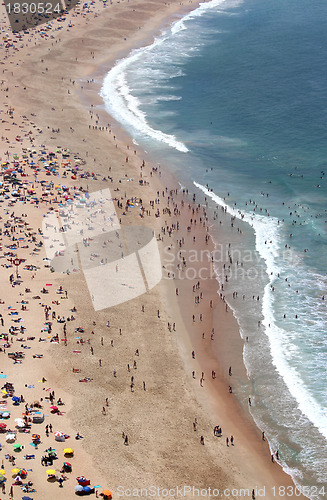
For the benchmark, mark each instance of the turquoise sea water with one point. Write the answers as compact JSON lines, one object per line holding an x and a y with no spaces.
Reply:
{"x":234,"y":96}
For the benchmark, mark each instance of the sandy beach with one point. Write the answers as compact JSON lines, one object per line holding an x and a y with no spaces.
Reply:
{"x":142,"y":379}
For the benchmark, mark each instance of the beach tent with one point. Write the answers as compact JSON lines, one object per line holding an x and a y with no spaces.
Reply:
{"x":38,"y":417}
{"x":78,"y":488}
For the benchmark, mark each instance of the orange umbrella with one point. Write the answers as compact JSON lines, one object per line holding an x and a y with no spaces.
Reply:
{"x":106,"y":493}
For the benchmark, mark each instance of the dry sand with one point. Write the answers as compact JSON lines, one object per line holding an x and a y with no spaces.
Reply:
{"x":44,"y":81}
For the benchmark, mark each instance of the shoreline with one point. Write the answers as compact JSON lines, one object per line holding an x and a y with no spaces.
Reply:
{"x":225,"y":347}
{"x":121,"y":155}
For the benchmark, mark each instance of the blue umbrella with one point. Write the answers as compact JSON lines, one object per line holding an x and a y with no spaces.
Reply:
{"x":86,"y":489}
{"x":15,"y":399}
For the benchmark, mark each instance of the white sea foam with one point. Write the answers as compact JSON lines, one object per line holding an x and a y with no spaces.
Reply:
{"x":117,"y":94}
{"x":203,"y":7}
{"x":267,"y":239}
{"x":125,"y":107}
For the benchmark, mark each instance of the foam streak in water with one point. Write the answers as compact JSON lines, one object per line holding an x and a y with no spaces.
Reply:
{"x":117,"y":95}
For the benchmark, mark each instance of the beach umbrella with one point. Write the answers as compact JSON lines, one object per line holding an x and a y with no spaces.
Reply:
{"x":23,"y":472}
{"x":2,"y":472}
{"x":68,"y":451}
{"x":2,"y":478}
{"x":3,"y":425}
{"x":15,"y":399}
{"x":17,"y":446}
{"x":6,"y":414}
{"x":20,"y":422}
{"x":78,"y":487}
{"x":51,"y":472}
{"x":86,"y":489}
{"x":15,"y":471}
{"x":59,"y":436}
{"x":54,"y":408}
{"x":81,"y":479}
{"x":36,"y":436}
{"x":10,"y":437}
{"x":106,"y":493}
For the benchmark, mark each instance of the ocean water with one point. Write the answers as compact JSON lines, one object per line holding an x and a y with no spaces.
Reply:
{"x":233,"y":99}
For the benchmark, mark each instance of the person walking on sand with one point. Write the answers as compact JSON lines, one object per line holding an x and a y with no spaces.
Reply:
{"x":227,"y":441}
{"x":202,"y":440}
{"x":126,"y":441}
{"x":100,"y":362}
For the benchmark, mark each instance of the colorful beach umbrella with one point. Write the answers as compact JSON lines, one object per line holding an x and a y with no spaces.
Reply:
{"x":81,"y":479}
{"x":59,"y":436}
{"x":106,"y":493}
